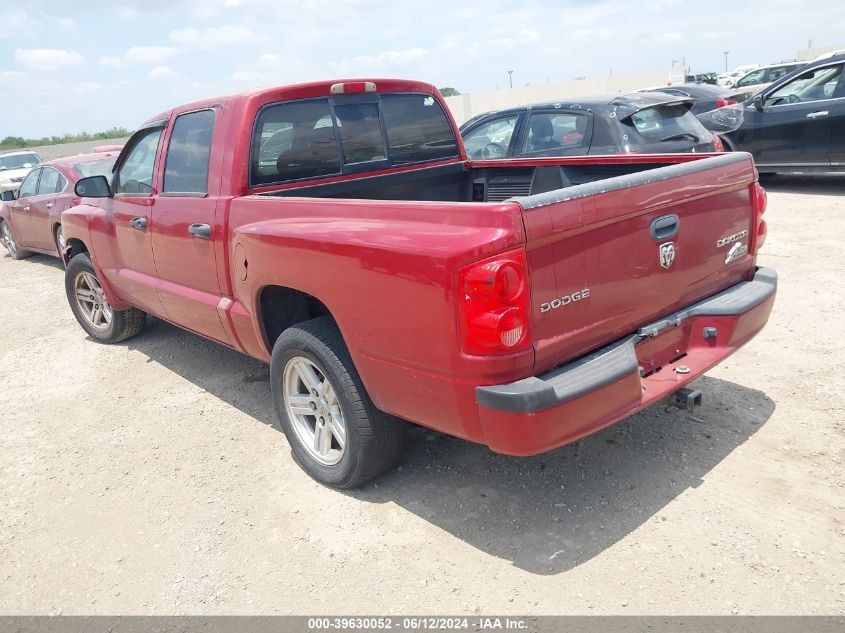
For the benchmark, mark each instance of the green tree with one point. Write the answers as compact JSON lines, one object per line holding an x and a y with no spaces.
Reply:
{"x":446,"y":91}
{"x":17,"y":142}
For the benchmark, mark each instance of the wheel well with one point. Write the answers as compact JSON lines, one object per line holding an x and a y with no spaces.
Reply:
{"x":75,"y":247}
{"x":282,"y":307}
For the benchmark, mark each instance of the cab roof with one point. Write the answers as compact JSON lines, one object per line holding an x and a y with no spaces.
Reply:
{"x":292,"y":92}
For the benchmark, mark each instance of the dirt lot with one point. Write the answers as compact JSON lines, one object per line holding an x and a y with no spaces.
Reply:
{"x":151,"y":477}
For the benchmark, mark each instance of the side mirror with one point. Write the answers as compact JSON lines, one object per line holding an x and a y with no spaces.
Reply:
{"x":8,"y":196}
{"x":758,"y":103}
{"x":93,"y":187}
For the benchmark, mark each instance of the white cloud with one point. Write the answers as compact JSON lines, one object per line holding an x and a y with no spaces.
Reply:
{"x":588,"y":34}
{"x":150,"y":54}
{"x":214,"y":36}
{"x":392,"y":58}
{"x":161,"y":72}
{"x":12,"y":75}
{"x":87,"y":87}
{"x":248,"y":77}
{"x":111,"y":62}
{"x":269,"y":60}
{"x":671,"y":36}
{"x":47,"y":59}
{"x":140,"y":55}
{"x":127,"y":12}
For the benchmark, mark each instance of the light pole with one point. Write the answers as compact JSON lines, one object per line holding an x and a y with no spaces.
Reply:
{"x":726,"y":53}
{"x":510,"y":78}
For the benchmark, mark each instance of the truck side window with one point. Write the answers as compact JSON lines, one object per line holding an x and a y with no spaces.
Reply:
{"x":186,"y":165}
{"x":136,"y":172}
{"x":293,"y":141}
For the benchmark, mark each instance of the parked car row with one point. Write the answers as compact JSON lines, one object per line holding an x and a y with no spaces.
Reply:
{"x":30,"y":214}
{"x":795,"y":124}
{"x":648,"y":122}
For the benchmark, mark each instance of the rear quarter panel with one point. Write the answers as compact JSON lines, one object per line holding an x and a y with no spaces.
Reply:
{"x":386,"y":271}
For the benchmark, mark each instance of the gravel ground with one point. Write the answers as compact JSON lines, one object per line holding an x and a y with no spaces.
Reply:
{"x":151,"y":478}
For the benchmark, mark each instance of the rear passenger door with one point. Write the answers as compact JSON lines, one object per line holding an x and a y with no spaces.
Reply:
{"x":558,"y":132}
{"x":186,"y":231}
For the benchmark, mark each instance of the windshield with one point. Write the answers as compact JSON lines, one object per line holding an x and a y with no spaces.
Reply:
{"x":100,"y":167}
{"x":19,"y":161}
{"x":665,"y":123}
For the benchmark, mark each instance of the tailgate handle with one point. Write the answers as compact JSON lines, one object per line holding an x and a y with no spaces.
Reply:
{"x":664,"y":227}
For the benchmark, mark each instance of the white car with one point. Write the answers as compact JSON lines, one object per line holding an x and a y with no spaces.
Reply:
{"x":729,"y":79}
{"x":14,"y":166}
{"x":753,"y":82}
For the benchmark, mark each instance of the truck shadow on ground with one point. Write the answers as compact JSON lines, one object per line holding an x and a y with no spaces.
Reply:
{"x":545,"y":514}
{"x":812,"y":184}
{"x":38,"y":258}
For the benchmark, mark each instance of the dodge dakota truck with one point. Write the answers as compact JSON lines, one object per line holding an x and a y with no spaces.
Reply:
{"x":338,"y":231}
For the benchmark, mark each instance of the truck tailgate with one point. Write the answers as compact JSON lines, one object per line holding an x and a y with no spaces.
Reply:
{"x":610,"y":256}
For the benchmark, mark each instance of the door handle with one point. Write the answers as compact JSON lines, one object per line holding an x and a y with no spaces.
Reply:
{"x":49,"y":205}
{"x":202,"y":231}
{"x":138,"y":223}
{"x":664,"y":227}
{"x":815,"y":115}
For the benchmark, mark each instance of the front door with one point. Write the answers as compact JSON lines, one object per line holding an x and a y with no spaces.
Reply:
{"x":20,"y":209}
{"x":794,"y":127}
{"x":186,"y":234}
{"x":130,"y":268}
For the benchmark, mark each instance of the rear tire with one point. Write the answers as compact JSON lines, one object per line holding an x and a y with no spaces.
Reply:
{"x":11,"y":244}
{"x":336,"y":433}
{"x":92,"y":309}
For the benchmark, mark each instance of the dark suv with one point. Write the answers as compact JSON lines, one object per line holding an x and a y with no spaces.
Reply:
{"x":797,"y":123}
{"x":644,"y":122}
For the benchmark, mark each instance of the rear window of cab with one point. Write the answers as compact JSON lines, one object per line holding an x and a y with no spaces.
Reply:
{"x":298,"y":140}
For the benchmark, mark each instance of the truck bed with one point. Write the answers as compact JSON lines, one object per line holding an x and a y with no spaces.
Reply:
{"x":484,"y":181}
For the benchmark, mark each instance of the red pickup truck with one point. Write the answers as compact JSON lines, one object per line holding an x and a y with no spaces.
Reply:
{"x":338,"y":231}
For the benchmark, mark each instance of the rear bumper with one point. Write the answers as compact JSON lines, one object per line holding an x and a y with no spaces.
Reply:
{"x":543,"y":412}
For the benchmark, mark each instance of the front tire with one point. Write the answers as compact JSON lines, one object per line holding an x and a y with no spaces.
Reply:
{"x":91,"y":308}
{"x":11,"y":244}
{"x":59,"y":239}
{"x":335,"y":432}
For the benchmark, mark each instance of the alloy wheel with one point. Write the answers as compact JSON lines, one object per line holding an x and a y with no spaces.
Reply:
{"x":9,"y":240}
{"x":314,"y":410}
{"x":92,"y":301}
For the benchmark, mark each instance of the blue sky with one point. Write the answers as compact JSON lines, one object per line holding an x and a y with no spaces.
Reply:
{"x":89,"y":65}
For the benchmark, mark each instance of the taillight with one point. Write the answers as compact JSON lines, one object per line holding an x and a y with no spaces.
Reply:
{"x":494,"y":305}
{"x":718,"y":145}
{"x":721,"y":103}
{"x":759,"y":200}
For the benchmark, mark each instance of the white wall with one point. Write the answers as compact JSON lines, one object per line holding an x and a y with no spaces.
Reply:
{"x":808,"y":54}
{"x":465,"y":106}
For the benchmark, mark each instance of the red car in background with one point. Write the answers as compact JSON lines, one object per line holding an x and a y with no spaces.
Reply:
{"x":107,"y":148}
{"x":31,"y":217}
